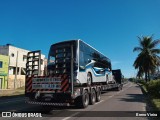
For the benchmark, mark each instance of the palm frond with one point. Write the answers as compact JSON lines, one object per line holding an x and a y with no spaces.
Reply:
{"x":155,"y":51}
{"x":139,"y":49}
{"x":154,"y":44}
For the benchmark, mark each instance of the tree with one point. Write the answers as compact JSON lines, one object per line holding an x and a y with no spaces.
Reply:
{"x":148,"y":59}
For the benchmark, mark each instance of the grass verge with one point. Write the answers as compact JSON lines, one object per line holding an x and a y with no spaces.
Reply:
{"x":152,"y":102}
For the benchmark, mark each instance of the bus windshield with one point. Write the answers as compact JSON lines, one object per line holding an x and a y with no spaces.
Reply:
{"x":59,"y":58}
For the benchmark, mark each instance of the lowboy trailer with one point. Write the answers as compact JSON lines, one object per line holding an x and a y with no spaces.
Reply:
{"x":73,"y":77}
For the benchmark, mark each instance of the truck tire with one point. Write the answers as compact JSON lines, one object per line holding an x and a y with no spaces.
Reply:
{"x":119,"y":88}
{"x":89,"y":79}
{"x":82,"y":101}
{"x":98,"y":95}
{"x":92,"y":97}
{"x":106,"y":79}
{"x":46,"y":108}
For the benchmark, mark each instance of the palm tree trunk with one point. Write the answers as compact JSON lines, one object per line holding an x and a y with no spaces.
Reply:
{"x":146,"y":76}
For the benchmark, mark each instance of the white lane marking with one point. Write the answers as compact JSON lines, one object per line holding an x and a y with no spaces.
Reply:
{"x":66,"y":118}
{"x":125,"y":84}
{"x":111,"y":96}
{"x":11,"y":101}
{"x":115,"y":94}
{"x":99,"y":102}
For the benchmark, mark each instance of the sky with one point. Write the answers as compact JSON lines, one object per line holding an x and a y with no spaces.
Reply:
{"x":110,"y":26}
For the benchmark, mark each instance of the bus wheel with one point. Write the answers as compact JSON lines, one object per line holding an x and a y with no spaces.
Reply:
{"x":89,"y":79}
{"x":92,"y":97}
{"x":98,"y":95}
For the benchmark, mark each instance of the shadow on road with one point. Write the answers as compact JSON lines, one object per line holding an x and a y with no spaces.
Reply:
{"x":134,"y":98}
{"x":11,"y":97}
{"x":44,"y":109}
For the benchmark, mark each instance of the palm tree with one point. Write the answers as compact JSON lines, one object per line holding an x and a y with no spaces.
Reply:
{"x":148,"y":59}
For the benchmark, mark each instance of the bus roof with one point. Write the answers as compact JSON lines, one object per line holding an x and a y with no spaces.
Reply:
{"x":66,"y":41}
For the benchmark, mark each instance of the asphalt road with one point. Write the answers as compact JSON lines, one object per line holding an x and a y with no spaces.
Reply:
{"x":113,"y":105}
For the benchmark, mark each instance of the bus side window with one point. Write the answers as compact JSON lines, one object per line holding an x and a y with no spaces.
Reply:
{"x":81,"y":61}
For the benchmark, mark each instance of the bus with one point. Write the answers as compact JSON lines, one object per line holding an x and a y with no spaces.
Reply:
{"x":89,"y":65}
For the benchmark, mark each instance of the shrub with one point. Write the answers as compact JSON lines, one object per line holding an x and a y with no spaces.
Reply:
{"x":153,"y":88}
{"x":141,"y":81}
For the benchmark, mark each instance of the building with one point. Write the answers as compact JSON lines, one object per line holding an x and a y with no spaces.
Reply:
{"x":17,"y":64}
{"x":4,"y":62}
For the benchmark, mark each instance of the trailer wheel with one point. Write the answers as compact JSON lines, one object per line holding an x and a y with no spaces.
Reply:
{"x":106,"y":79}
{"x":92,"y":97}
{"x":98,"y":95}
{"x":46,"y":108}
{"x":82,"y":101}
{"x":119,"y":88}
{"x":89,"y":79}
{"x":85,"y":99}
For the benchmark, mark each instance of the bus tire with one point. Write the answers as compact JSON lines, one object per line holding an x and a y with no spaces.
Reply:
{"x":89,"y":79}
{"x":98,"y":95}
{"x":92,"y":97}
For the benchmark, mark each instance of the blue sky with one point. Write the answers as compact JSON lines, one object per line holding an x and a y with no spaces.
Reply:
{"x":111,"y":26}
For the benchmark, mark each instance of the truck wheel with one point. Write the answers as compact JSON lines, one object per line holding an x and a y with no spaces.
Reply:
{"x":92,"y":97}
{"x":82,"y":101}
{"x":98,"y":95}
{"x":106,"y":79}
{"x":85,"y":99}
{"x":119,"y":88}
{"x":89,"y":79}
{"x":47,"y":108}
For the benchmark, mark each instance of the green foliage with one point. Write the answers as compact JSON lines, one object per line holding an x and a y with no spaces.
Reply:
{"x":131,"y":79}
{"x":147,"y":60}
{"x":153,"y":88}
{"x":141,"y":81}
{"x":156,"y":102}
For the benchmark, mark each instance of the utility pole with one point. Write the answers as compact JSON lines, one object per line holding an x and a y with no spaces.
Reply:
{"x":72,"y":69}
{"x":8,"y":71}
{"x":15,"y":80}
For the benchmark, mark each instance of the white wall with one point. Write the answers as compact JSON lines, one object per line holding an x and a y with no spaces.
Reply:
{"x":21,"y":52}
{"x":13,"y":51}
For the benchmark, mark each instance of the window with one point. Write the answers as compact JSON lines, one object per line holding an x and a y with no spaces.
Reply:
{"x":24,"y":57}
{"x":41,"y":62}
{"x":1,"y":64}
{"x":12,"y":55}
{"x":81,"y":61}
